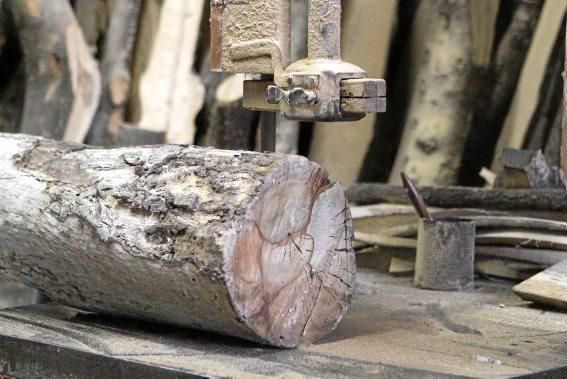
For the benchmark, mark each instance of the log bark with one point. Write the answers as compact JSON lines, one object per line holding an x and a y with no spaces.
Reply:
{"x":463,"y":197}
{"x":115,"y":72}
{"x":230,"y":126}
{"x":246,"y":244}
{"x":526,"y":96}
{"x":438,"y":115}
{"x":62,"y":82}
{"x":93,"y":17}
{"x":497,"y":90}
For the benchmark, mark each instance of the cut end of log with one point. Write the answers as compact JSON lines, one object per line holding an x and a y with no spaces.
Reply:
{"x":291,"y":266}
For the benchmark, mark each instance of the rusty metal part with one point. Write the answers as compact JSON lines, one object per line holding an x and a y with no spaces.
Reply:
{"x":254,"y":35}
{"x":324,"y":29}
{"x":250,"y":35}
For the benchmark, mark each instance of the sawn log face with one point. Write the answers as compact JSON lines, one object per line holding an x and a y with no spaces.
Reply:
{"x":246,"y":244}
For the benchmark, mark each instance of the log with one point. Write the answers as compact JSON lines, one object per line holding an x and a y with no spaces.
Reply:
{"x":534,"y":69}
{"x":437,"y":119}
{"x":496,"y":89}
{"x":463,"y":197}
{"x":148,"y":26}
{"x":171,"y":93}
{"x":230,"y":126}
{"x":61,"y":76}
{"x":115,"y":71}
{"x":93,"y":16}
{"x":246,"y":244}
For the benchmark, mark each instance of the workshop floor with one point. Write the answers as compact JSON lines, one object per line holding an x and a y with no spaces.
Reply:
{"x":392,"y":329}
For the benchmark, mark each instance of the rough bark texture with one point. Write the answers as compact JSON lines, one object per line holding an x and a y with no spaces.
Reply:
{"x":462,"y":197}
{"x":438,"y":115}
{"x":497,"y":90}
{"x":115,"y":72}
{"x":60,"y":78}
{"x":230,"y":126}
{"x":246,"y":244}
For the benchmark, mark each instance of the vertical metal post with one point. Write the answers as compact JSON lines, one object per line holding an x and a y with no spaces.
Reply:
{"x":324,"y":35}
{"x":268,"y":126}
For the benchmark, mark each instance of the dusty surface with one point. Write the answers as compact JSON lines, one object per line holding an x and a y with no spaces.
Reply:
{"x":392,"y":330}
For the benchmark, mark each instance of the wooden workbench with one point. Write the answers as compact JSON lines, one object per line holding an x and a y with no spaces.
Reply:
{"x":392,"y":329}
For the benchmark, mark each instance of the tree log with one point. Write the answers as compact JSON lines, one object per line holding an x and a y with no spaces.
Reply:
{"x":438,"y":115}
{"x":171,"y":93}
{"x":496,"y":90}
{"x":62,"y":79}
{"x":115,"y":71}
{"x":246,"y":244}
{"x":526,"y":97}
{"x":463,"y":197}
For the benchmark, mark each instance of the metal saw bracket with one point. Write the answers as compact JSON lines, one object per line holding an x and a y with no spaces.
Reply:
{"x":253,"y":36}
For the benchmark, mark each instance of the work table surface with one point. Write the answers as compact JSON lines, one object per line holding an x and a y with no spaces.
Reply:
{"x":392,"y":329}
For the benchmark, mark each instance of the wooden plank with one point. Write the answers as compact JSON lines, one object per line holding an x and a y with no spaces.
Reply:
{"x":548,"y":287}
{"x":483,"y":14}
{"x":371,"y":22}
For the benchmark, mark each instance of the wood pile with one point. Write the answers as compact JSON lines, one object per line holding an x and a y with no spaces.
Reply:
{"x":132,"y":72}
{"x":474,"y":86}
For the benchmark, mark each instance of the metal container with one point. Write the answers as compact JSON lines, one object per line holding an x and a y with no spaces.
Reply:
{"x":445,"y":254}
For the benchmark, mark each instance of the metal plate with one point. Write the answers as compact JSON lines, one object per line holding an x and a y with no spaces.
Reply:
{"x":256,"y":23}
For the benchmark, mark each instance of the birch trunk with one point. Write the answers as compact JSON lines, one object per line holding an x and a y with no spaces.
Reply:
{"x":436,"y":124}
{"x":246,"y":244}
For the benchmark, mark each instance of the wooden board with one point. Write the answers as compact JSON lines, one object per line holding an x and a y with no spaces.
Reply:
{"x":548,"y":287}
